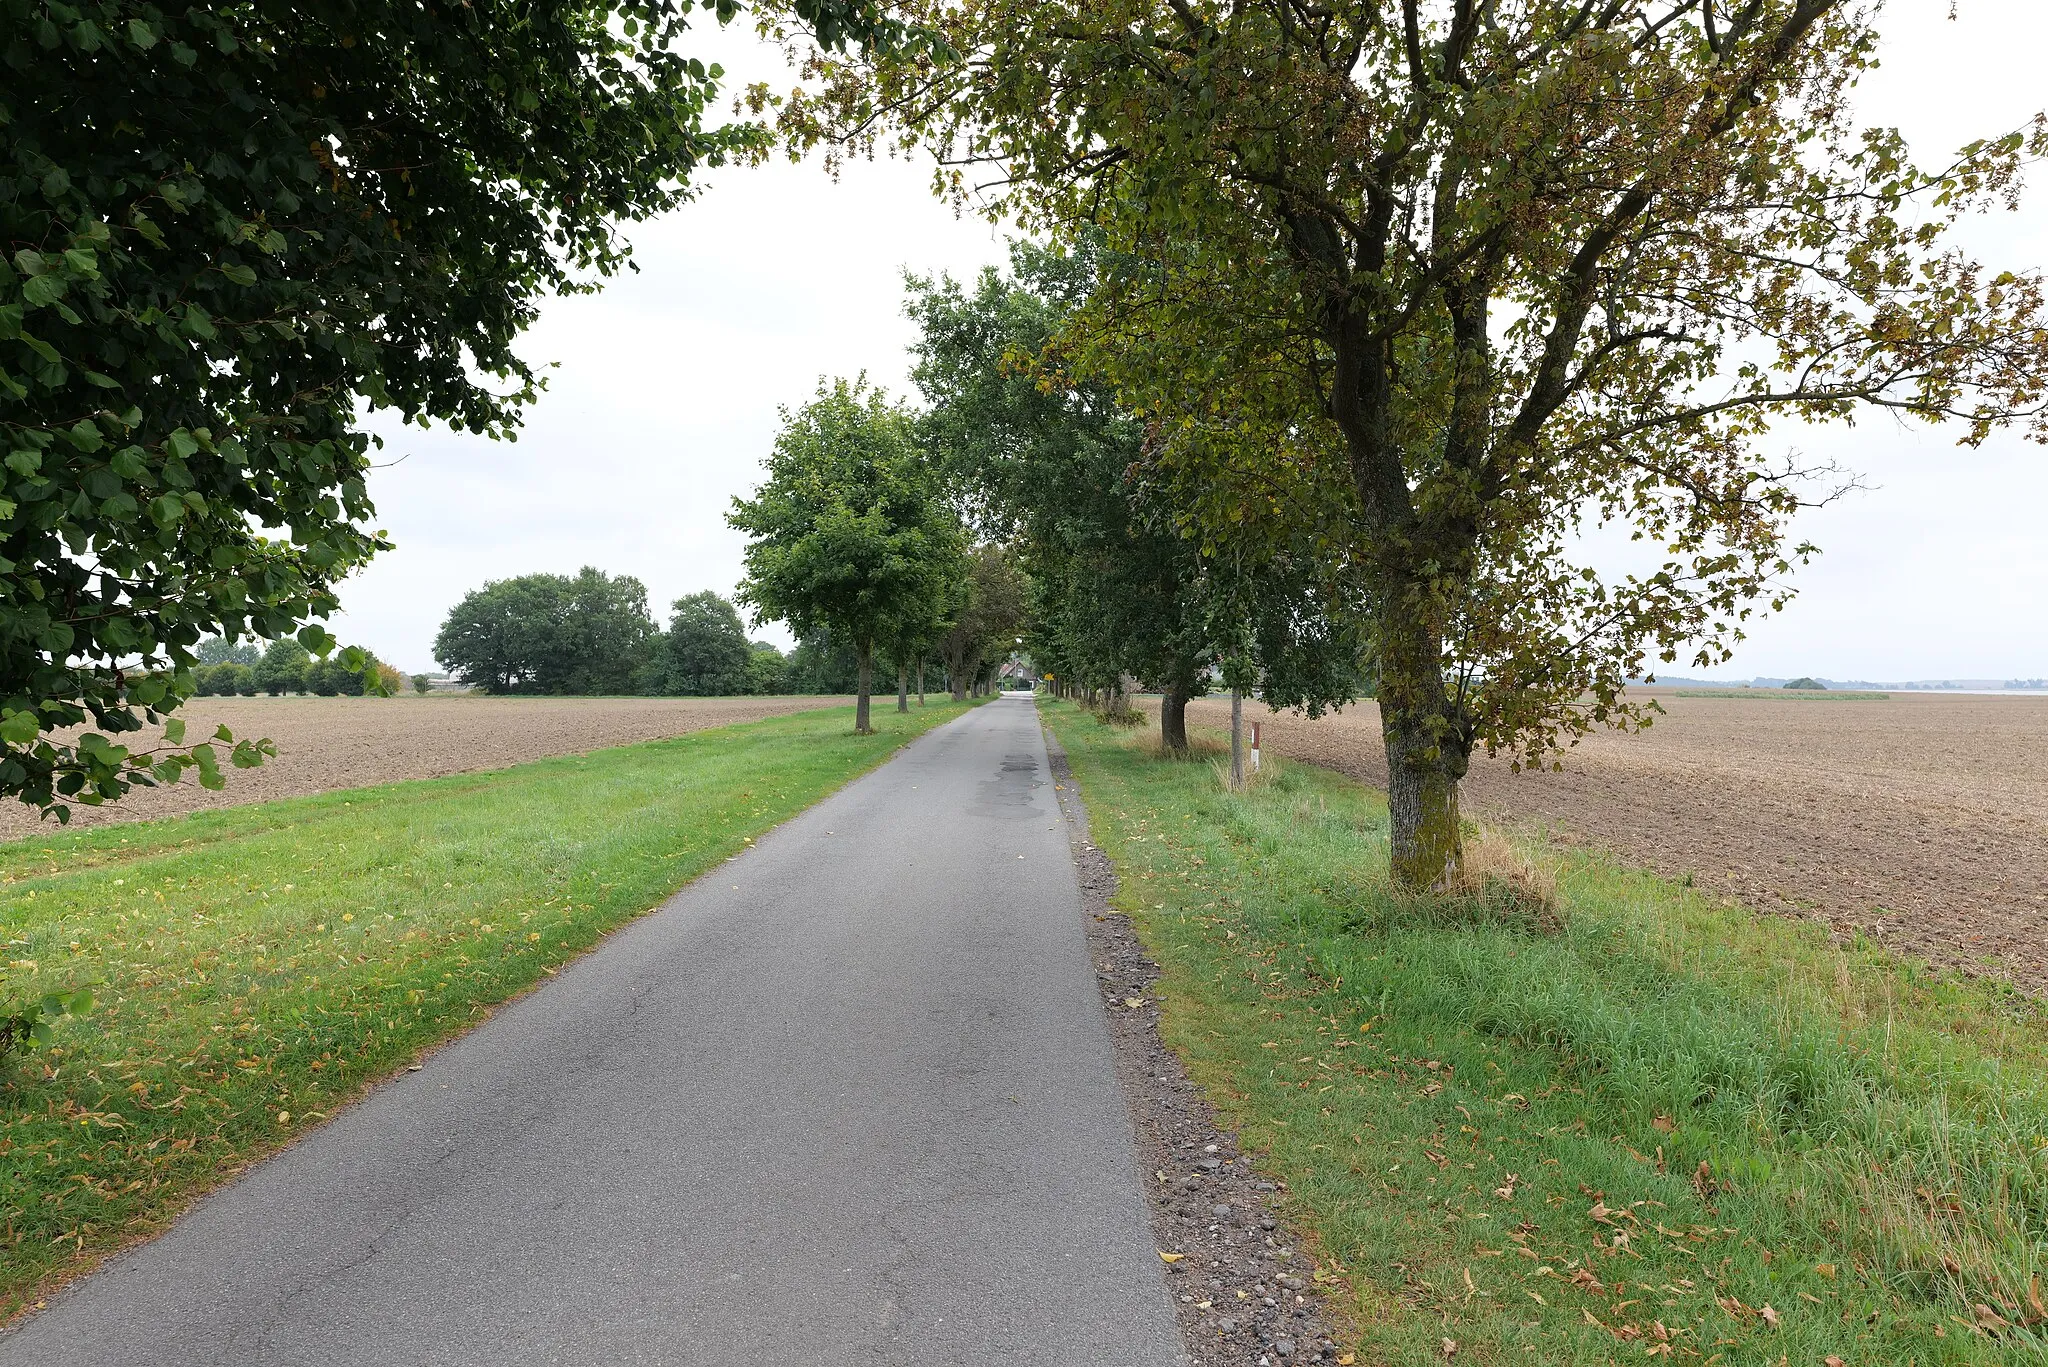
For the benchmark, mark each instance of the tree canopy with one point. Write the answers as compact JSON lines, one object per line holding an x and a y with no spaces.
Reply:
{"x":706,"y":652}
{"x":1429,"y":287}
{"x":549,"y":633}
{"x":850,"y":534}
{"x":232,"y":229}
{"x":1052,"y":460}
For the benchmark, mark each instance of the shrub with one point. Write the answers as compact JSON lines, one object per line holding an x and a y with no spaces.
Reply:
{"x":1809,"y":684}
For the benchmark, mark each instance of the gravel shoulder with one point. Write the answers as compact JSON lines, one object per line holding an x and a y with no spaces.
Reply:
{"x":324,"y":744}
{"x":1921,"y":821}
{"x":1239,"y":1289}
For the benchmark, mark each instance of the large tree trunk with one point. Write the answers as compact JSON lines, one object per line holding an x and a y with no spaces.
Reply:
{"x":860,"y":706}
{"x":1173,"y":718}
{"x":903,"y":688}
{"x":1427,"y":754}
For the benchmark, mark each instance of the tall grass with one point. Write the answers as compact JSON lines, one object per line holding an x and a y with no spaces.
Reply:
{"x":1472,"y":1106}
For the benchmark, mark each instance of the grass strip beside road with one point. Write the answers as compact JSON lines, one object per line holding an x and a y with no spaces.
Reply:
{"x":256,"y":967}
{"x":1496,"y":1133}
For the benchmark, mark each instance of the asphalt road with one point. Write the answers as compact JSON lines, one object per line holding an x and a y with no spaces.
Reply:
{"x":847,"y":1099}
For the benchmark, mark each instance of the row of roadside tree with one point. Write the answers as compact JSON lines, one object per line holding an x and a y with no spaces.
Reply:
{"x":592,"y":634}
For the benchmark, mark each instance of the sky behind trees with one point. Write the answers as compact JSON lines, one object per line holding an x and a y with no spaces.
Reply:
{"x":663,"y":405}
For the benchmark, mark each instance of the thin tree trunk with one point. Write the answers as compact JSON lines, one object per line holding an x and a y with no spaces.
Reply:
{"x":1426,"y":757}
{"x":920,"y":682}
{"x":903,"y":688}
{"x":1173,"y":719}
{"x":1236,"y":740}
{"x":860,"y":706}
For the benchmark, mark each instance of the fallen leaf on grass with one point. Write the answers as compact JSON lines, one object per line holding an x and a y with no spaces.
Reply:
{"x":1134,"y":1002}
{"x":1770,"y":1315}
{"x":1450,"y":1348}
{"x":1664,"y":1124}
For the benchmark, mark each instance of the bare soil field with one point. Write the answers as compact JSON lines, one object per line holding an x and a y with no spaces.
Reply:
{"x":329,"y":743}
{"x":1921,"y":821}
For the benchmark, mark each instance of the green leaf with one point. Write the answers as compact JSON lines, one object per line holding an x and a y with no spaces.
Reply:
{"x":44,"y":289}
{"x":141,"y":34}
{"x":241,"y":275}
{"x":174,"y":730}
{"x":20,"y":728}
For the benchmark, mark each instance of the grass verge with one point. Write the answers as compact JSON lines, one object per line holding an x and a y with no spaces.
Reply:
{"x":256,"y":967}
{"x":1661,"y":1128}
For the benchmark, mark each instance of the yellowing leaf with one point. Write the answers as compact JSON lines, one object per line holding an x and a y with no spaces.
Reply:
{"x":1171,"y":1257}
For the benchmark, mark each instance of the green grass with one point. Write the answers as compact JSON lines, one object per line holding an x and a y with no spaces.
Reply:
{"x":1785,"y":695}
{"x":1468,"y":1114}
{"x":257,"y":966}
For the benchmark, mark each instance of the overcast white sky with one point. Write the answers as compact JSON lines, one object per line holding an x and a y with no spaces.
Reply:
{"x":665,"y":396}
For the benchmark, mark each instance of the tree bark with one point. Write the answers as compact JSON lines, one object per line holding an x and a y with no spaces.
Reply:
{"x":1173,"y":718}
{"x":903,"y":688}
{"x":860,"y":706}
{"x":1428,"y":751}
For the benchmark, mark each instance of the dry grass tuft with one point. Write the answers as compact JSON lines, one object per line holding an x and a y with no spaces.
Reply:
{"x":1503,"y":876}
{"x":1265,"y":775}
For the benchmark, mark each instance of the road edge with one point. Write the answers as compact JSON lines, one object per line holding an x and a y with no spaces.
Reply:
{"x":1186,"y":1159}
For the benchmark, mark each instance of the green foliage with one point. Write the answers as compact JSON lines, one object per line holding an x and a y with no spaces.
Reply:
{"x":1765,"y":1118}
{"x":303,"y":949}
{"x":850,"y":533}
{"x":1810,"y":685}
{"x":1050,"y":464}
{"x":822,"y":663}
{"x":231,"y":230}
{"x":548,"y":633}
{"x":1416,"y":292}
{"x":1058,"y":464}
{"x":283,"y":668}
{"x":992,"y":605}
{"x":422,"y":685}
{"x":705,"y":652}
{"x":225,"y":680}
{"x":768,"y":670}
{"x":218,"y":650}
{"x":33,"y":1023}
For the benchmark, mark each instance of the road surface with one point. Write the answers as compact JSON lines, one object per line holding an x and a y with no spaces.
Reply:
{"x":847,"y":1099}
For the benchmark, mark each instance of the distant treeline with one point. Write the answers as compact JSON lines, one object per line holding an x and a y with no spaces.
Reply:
{"x":592,"y":634}
{"x":227,"y":668}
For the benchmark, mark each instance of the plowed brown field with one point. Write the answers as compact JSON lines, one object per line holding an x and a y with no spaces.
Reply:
{"x":1921,"y":821}
{"x":328,"y":743}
